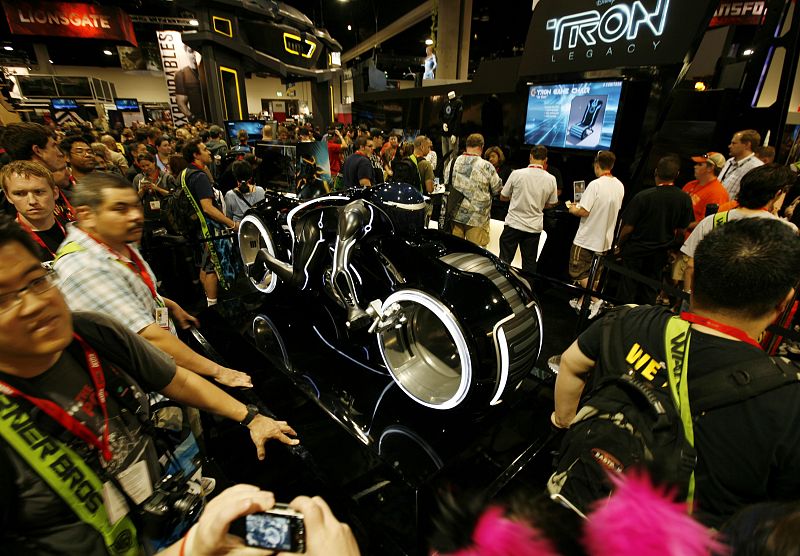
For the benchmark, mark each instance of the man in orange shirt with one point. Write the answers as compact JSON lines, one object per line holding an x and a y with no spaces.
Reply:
{"x":706,"y":189}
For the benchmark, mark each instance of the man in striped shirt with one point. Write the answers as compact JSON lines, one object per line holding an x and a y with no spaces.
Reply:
{"x":742,"y":160}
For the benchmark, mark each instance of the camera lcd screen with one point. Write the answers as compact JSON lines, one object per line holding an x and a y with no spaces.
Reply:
{"x":269,"y":531}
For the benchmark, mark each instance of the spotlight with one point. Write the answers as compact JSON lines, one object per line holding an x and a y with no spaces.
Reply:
{"x":429,"y":42}
{"x":699,"y":86}
{"x":194,"y":22}
{"x":349,"y":27}
{"x":51,"y":61}
{"x":108,"y":53}
{"x":748,"y":52}
{"x":6,"y":47}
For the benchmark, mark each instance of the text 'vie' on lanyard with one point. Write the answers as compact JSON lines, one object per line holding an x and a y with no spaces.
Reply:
{"x":35,"y":235}
{"x":57,"y":413}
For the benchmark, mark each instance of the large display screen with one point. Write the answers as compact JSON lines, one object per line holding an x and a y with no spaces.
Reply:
{"x":573,"y":115}
{"x":253,"y":128}
{"x":127,"y":104}
{"x":64,"y":104}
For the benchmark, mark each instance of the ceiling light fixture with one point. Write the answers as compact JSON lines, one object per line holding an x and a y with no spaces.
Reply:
{"x":349,"y":27}
{"x":108,"y":53}
{"x":6,"y":47}
{"x":51,"y":61}
{"x":194,"y":22}
{"x":429,"y":42}
{"x":748,"y":52}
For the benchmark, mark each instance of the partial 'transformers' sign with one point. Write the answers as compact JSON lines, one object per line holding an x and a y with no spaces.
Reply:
{"x":568,"y":36}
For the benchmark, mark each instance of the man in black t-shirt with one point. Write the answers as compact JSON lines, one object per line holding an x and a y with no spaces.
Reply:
{"x":357,"y":169}
{"x":201,"y":188}
{"x":51,"y":358}
{"x":651,"y":223}
{"x":748,"y":451}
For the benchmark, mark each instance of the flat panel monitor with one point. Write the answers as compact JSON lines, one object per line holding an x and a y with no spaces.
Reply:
{"x":253,"y":128}
{"x":127,"y":104}
{"x":573,"y":115}
{"x":64,"y":104}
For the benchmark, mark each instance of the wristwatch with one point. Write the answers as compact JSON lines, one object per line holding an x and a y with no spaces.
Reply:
{"x":252,"y":411}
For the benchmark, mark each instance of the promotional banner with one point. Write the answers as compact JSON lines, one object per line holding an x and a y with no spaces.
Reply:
{"x":61,"y":19}
{"x":568,"y":36}
{"x":146,"y":58}
{"x":182,"y":72}
{"x":313,"y":177}
{"x":738,"y":13}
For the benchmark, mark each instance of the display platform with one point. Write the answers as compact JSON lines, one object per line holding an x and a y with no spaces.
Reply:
{"x":380,"y":457}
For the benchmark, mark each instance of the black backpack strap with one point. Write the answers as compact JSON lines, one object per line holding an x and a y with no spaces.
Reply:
{"x":742,"y":382}
{"x":241,"y":196}
{"x":613,"y":354}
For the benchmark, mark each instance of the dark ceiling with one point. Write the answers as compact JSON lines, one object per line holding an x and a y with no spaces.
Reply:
{"x":498,"y":30}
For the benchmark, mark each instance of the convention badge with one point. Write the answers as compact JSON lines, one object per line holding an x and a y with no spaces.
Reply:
{"x":136,"y":482}
{"x":155,"y":205}
{"x":114,"y":503}
{"x":162,"y":317}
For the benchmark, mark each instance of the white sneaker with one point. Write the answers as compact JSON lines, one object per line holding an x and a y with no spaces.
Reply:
{"x":575,"y":303}
{"x":594,"y":308}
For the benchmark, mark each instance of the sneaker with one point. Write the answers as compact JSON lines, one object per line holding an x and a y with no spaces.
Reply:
{"x":594,"y":308}
{"x":575,"y":303}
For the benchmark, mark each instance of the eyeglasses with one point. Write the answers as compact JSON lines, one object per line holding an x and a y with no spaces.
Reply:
{"x":37,"y":286}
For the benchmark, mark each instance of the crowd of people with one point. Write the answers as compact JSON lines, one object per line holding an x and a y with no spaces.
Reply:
{"x":88,"y":342}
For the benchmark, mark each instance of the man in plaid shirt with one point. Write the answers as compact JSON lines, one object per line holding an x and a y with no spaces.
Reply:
{"x":99,"y":270}
{"x":478,"y":181}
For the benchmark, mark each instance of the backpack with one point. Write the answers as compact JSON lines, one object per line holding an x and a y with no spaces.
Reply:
{"x":405,"y":171}
{"x":626,"y":423}
{"x":177,"y":210}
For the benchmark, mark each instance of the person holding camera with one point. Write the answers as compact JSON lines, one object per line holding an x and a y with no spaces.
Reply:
{"x":80,"y":457}
{"x":324,"y":534}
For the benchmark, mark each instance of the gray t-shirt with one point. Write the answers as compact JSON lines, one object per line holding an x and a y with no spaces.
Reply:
{"x":235,"y":206}
{"x":38,"y":521}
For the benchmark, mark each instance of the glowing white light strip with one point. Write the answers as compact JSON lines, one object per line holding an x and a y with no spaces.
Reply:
{"x":449,"y":320}
{"x":343,"y":354}
{"x":503,"y":359}
{"x":421,"y":442}
{"x":255,"y":221}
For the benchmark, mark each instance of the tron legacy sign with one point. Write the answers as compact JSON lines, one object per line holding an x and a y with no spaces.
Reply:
{"x":584,"y":35}
{"x":591,"y":29}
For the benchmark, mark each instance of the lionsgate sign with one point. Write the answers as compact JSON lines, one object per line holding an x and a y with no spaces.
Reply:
{"x":580,"y":35}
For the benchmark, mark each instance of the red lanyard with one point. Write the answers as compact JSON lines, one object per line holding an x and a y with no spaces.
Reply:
{"x":737,"y":333}
{"x":35,"y":236}
{"x":57,"y":413}
{"x":136,"y":265}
